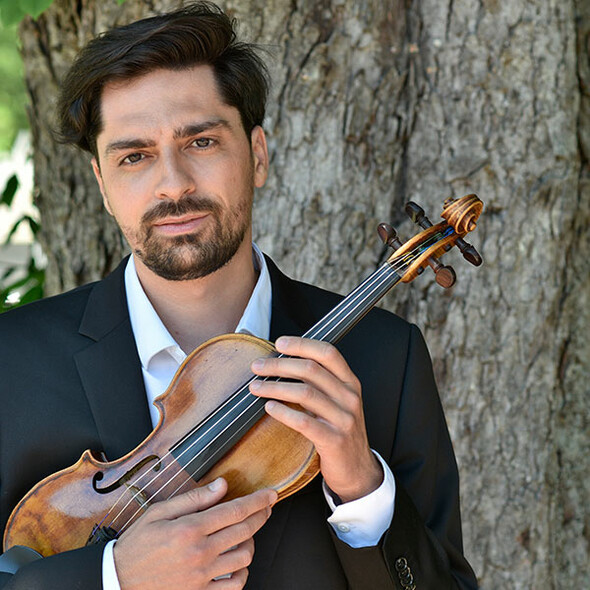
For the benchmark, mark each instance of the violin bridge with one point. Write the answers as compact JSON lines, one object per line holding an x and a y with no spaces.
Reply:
{"x":139,"y":496}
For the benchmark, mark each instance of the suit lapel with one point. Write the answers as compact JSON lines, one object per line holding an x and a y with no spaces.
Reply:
{"x":110,"y":370}
{"x":290,"y":313}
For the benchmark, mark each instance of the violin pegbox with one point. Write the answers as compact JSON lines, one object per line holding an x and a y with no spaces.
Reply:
{"x":425,"y":249}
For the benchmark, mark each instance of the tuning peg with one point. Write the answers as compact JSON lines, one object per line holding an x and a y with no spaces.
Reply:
{"x":389,"y":236}
{"x":469,"y":252}
{"x":445,"y":276}
{"x":417,"y":215}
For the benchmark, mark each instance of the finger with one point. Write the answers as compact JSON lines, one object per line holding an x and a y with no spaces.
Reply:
{"x":322,"y":352}
{"x":234,"y":560}
{"x":293,"y":368}
{"x":238,"y":533}
{"x":304,"y":394}
{"x":235,"y":511}
{"x":320,"y":432}
{"x":189,"y":502}
{"x":236,"y":581}
{"x":321,"y":384}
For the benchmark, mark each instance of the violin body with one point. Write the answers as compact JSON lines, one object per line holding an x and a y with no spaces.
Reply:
{"x":62,"y":510}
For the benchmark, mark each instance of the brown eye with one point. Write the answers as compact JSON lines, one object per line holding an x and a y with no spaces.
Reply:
{"x":133,"y":158}
{"x":202,"y":142}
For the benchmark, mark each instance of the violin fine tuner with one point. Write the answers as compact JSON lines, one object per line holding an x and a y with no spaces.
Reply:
{"x":410,"y":259}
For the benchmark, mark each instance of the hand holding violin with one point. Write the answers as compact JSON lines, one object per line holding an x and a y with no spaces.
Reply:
{"x":333,"y":420}
{"x":187,"y":541}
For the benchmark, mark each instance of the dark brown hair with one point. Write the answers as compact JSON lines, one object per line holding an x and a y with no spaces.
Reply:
{"x":200,"y":33}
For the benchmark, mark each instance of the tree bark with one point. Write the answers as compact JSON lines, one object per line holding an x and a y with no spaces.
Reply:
{"x":379,"y":102}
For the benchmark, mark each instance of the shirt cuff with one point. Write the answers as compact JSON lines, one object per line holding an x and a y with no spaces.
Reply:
{"x":109,"y":572}
{"x":362,"y":522}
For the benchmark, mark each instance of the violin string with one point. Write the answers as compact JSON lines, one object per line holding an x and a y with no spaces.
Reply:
{"x":348,"y":309}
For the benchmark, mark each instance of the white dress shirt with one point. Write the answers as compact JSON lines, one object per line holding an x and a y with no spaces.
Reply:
{"x":360,"y":523}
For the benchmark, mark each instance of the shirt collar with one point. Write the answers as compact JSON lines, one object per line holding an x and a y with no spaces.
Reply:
{"x":152,"y":337}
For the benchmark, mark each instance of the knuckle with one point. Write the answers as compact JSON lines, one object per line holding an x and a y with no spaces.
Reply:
{"x":238,"y":511}
{"x":356,"y":403}
{"x":310,"y":367}
{"x":307,"y":392}
{"x":303,"y":420}
{"x":244,"y":556}
{"x":355,"y":384}
{"x":330,"y":352}
{"x":348,"y":423}
{"x":194,"y":496}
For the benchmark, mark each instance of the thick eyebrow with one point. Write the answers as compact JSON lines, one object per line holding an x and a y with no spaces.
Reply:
{"x":197,"y":128}
{"x":127,"y":144}
{"x":182,"y":132}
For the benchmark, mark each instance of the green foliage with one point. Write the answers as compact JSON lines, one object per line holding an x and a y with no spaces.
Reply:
{"x":12,"y":90}
{"x":15,"y":288}
{"x":13,"y":11}
{"x":15,"y":292}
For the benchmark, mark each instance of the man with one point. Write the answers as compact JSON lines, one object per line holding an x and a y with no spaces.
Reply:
{"x":171,"y":109}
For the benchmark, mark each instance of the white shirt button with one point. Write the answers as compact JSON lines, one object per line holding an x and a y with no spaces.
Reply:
{"x":343,"y":528}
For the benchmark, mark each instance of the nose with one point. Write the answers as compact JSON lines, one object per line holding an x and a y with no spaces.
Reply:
{"x":175,"y":176}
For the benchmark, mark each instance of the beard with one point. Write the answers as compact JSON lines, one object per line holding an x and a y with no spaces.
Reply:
{"x":192,"y":256}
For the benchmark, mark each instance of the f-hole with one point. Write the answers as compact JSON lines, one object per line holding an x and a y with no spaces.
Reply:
{"x":124,"y":478}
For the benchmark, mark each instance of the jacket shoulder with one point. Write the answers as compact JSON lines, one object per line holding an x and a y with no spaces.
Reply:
{"x":65,"y":308}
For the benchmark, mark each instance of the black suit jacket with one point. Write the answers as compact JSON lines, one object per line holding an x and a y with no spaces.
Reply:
{"x":70,"y":380}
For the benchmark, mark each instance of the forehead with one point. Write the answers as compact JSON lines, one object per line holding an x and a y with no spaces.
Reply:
{"x":162,"y":100}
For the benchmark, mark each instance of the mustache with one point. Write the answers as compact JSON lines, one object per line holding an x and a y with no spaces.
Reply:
{"x":186,"y":204}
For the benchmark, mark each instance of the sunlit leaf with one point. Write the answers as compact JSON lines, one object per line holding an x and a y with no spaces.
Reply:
{"x":34,"y":7}
{"x":34,"y":292}
{"x":11,"y":12}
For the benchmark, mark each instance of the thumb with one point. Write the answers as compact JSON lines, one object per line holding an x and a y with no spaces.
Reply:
{"x":189,"y":502}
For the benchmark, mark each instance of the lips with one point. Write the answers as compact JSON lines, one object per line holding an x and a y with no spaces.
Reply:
{"x":179,"y":225}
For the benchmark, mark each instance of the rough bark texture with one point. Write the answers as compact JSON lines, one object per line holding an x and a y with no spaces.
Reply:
{"x":376,"y":103}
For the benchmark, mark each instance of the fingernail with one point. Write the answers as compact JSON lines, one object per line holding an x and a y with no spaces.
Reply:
{"x":258,"y":364}
{"x":255,"y":385}
{"x":283,"y":341}
{"x":215,"y":485}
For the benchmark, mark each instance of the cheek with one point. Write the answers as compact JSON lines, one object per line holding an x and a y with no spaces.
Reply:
{"x":126,"y":199}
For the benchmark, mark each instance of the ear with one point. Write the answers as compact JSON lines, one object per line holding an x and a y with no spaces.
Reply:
{"x":260,"y":155}
{"x":98,"y":176}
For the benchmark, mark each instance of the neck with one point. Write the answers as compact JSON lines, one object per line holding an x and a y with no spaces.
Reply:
{"x":195,"y":311}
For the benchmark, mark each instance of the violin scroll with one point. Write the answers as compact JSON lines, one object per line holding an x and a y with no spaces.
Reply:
{"x":409,"y":259}
{"x":463,"y":213}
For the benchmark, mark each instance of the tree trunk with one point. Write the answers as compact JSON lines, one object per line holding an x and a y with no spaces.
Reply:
{"x":377,"y":102}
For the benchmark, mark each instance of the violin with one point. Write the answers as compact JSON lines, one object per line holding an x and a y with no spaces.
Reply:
{"x":211,"y":425}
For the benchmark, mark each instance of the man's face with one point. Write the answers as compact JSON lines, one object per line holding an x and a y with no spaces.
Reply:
{"x":177,"y":170}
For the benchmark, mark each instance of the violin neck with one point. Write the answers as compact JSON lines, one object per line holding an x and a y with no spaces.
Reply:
{"x":336,"y":324}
